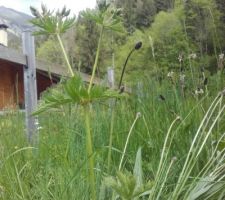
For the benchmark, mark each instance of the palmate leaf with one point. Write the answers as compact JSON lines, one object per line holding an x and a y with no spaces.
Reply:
{"x":51,"y":23}
{"x":108,"y":18}
{"x":53,"y":100}
{"x":125,"y":185}
{"x":75,"y":91}
{"x":130,"y":186}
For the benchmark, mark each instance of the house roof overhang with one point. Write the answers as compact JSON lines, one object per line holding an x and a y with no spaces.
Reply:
{"x":16,"y":57}
{"x":3,"y":26}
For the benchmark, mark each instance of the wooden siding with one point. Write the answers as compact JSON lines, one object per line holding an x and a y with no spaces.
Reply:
{"x":12,"y":85}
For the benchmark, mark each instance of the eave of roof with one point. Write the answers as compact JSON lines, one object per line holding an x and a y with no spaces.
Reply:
{"x":3,"y":26}
{"x":13,"y":56}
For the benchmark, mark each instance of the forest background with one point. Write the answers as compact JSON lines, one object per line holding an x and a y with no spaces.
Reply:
{"x":174,"y":33}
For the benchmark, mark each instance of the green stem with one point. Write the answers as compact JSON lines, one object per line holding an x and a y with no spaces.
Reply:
{"x":65,"y":55}
{"x":89,"y":149}
{"x":110,"y":141}
{"x":96,"y":60}
{"x":163,"y":159}
{"x":128,"y":137}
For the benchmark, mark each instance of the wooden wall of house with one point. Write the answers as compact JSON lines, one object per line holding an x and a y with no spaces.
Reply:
{"x":43,"y":82}
{"x":12,"y":86}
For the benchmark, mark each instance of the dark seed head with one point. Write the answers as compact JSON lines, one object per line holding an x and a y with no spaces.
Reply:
{"x":161,"y":97}
{"x":206,"y":81}
{"x":138,"y":45}
{"x":121,"y":89}
{"x":202,"y":69}
{"x":181,"y":69}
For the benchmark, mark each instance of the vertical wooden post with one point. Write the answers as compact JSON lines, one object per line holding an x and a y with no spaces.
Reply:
{"x":30,"y":86}
{"x":111,"y":79}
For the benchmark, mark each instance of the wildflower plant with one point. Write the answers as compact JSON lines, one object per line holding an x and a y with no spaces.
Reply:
{"x":74,"y":90}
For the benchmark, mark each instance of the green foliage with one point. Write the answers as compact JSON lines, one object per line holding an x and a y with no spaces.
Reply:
{"x":169,"y":39}
{"x":74,"y":91}
{"x":50,"y":23}
{"x":86,"y":39}
{"x":108,"y":18}
{"x":125,"y":185}
{"x":50,"y":51}
{"x":202,"y":22}
{"x":139,"y":63}
{"x":58,"y":168}
{"x":182,"y":160}
{"x":130,"y":186}
{"x":137,"y":14}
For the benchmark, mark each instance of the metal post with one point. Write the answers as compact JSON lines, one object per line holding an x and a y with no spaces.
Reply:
{"x":111,"y":79}
{"x":30,"y":86}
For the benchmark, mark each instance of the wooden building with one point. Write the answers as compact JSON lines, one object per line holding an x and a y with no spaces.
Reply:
{"x":12,"y":65}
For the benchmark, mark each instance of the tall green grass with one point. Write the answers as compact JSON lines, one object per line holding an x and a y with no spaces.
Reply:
{"x":175,"y":165}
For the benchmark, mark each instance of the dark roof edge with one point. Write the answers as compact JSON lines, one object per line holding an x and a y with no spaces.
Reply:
{"x":3,"y":26}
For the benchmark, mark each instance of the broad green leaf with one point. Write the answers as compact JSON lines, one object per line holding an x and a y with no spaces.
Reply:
{"x":138,"y":173}
{"x":75,"y":91}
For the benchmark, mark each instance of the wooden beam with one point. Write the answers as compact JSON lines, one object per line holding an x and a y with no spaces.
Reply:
{"x":30,"y":86}
{"x":12,"y":55}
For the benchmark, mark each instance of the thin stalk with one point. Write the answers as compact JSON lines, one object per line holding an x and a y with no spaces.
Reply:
{"x":165,"y":178}
{"x":19,"y":181}
{"x":127,"y":140}
{"x":193,"y":160}
{"x":96,"y":60}
{"x":210,"y":130}
{"x":163,"y":158}
{"x":89,"y":149}
{"x":110,"y":141}
{"x":124,"y":66}
{"x":213,"y":159}
{"x":192,"y":152}
{"x":65,"y":55}
{"x":165,"y":144}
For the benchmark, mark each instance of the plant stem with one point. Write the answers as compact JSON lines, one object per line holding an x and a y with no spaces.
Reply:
{"x":65,"y":55}
{"x":128,"y":137}
{"x":96,"y":60}
{"x":110,"y":140}
{"x":89,"y":150}
{"x":163,"y":159}
{"x":124,"y":66}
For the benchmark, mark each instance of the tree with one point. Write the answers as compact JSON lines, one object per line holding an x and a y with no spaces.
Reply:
{"x":86,"y":38}
{"x":162,"y":5}
{"x":137,"y":13}
{"x":202,"y":22}
{"x":221,"y":7}
{"x":169,"y":39}
{"x":50,"y":51}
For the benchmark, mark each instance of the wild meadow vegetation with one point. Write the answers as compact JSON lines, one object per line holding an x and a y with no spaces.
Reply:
{"x":162,"y":140}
